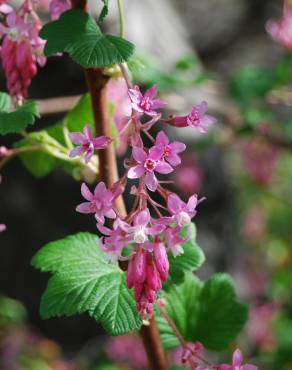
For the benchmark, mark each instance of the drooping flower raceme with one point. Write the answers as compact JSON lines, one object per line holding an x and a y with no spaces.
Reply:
{"x":139,"y":238}
{"x":21,"y":49}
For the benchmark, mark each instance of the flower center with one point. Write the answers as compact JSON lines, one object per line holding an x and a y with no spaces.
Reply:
{"x":167,"y":151}
{"x":183,"y":218}
{"x":194,"y":117}
{"x":14,"y":34}
{"x":150,"y":164}
{"x":146,"y":104}
{"x":140,"y":236}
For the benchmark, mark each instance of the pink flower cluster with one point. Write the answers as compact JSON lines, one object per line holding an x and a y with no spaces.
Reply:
{"x":57,"y":7}
{"x":281,"y":31}
{"x":22,"y":49}
{"x":142,"y":240}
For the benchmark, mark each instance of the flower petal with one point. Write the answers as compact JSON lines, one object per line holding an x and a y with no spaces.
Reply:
{"x":135,"y":172}
{"x":163,"y":167}
{"x":84,"y":208}
{"x":156,"y":153}
{"x":77,"y":138}
{"x":88,"y":132}
{"x":142,"y":218}
{"x":151,"y":181}
{"x":237,"y":358}
{"x":86,"y":193}
{"x":174,"y":203}
{"x":161,"y":139}
{"x":139,"y":154}
{"x":79,"y":150}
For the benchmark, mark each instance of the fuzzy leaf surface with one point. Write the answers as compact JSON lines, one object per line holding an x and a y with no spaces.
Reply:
{"x":84,"y":42}
{"x":84,"y":281}
{"x":208,"y":312}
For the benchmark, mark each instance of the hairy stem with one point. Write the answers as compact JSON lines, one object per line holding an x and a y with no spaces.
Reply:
{"x":108,"y":171}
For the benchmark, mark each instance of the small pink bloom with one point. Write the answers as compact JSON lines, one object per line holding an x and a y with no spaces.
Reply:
{"x":87,"y":144}
{"x":237,"y":360}
{"x":2,"y":228}
{"x":142,"y":227}
{"x":170,"y":150}
{"x":100,"y":202}
{"x":57,"y":7}
{"x":281,"y":31}
{"x":145,"y":103}
{"x":148,"y":163}
{"x":174,"y":241}
{"x":181,"y":211}
{"x":114,"y":241}
{"x":197,"y":119}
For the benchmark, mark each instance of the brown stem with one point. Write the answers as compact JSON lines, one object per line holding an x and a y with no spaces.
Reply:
{"x":97,"y":82}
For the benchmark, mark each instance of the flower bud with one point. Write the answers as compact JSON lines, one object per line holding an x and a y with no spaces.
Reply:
{"x":161,"y":260}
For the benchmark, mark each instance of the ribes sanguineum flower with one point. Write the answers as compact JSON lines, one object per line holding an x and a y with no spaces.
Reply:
{"x":145,"y":103}
{"x":2,"y":228}
{"x":100,"y":202}
{"x":145,"y":275}
{"x":87,"y":143}
{"x":281,"y":31}
{"x":197,"y":118}
{"x":147,"y":164}
{"x":170,"y":150}
{"x":114,"y":241}
{"x":57,"y":7}
{"x":182,"y":212}
{"x":237,"y":360}
{"x":4,"y":7}
{"x":21,"y":50}
{"x":174,"y":241}
{"x":141,"y":227}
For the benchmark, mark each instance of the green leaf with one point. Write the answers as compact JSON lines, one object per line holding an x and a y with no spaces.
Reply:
{"x":192,"y":258}
{"x":250,"y":83}
{"x":84,"y":281}
{"x":84,"y":42}
{"x":5,"y":102}
{"x":104,"y":11}
{"x":80,"y":115}
{"x":15,"y":122}
{"x":207,"y":312}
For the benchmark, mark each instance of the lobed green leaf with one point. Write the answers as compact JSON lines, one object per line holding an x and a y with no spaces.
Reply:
{"x":84,"y":42}
{"x":84,"y":281}
{"x":207,"y":312}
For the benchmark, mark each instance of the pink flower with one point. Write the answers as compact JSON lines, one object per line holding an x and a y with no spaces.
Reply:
{"x":118,"y":95}
{"x":100,"y":202}
{"x":197,"y":119}
{"x":182,"y":212}
{"x":87,"y":144}
{"x":139,"y":232}
{"x":114,"y":241}
{"x":174,"y":241}
{"x":237,"y":363}
{"x":161,"y":260}
{"x":5,"y":8}
{"x":281,"y":31}
{"x":16,"y":28}
{"x":57,"y":7}
{"x":145,"y":103}
{"x":2,"y":228}
{"x":148,"y":163}
{"x":170,"y":151}
{"x":127,"y":349}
